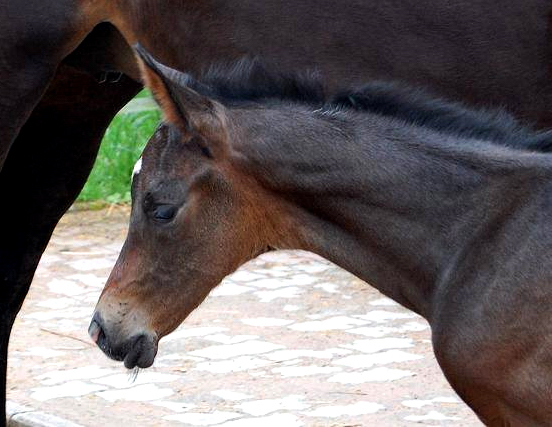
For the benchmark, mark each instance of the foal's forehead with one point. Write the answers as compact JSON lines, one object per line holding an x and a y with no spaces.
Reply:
{"x":162,"y":147}
{"x":167,"y":153}
{"x":164,"y":136}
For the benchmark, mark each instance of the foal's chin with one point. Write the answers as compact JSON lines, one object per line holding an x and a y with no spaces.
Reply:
{"x":141,"y":353}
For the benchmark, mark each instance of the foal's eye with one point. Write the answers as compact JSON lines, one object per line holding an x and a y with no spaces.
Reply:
{"x":164,"y":213}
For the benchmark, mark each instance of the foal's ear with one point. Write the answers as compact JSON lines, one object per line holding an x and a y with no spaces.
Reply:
{"x":181,"y":105}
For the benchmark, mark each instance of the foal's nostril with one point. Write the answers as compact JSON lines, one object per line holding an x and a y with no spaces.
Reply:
{"x":97,"y":333}
{"x":94,"y":330}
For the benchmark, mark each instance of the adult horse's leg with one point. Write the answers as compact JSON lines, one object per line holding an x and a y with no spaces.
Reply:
{"x":46,"y":168}
{"x":35,"y":36}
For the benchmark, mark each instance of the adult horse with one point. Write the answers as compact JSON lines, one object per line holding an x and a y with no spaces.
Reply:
{"x":60,"y":81}
{"x":457,"y":229}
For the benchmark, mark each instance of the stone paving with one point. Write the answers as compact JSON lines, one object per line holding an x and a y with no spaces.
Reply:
{"x":288,"y":340}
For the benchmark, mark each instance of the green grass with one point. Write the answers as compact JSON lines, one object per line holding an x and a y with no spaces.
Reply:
{"x":144,"y":93}
{"x":122,"y":145}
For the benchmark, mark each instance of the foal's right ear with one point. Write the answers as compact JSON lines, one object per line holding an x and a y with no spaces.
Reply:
{"x":181,"y":105}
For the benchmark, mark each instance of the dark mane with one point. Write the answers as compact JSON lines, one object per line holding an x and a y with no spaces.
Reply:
{"x":418,"y":107}
{"x":249,"y":80}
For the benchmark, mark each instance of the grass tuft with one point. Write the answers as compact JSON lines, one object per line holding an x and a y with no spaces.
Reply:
{"x":121,"y":147}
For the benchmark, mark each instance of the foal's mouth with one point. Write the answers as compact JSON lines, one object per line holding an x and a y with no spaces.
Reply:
{"x":138,"y":351}
{"x":142,"y":352}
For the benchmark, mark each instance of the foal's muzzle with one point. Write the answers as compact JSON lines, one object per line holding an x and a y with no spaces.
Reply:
{"x":138,"y":350}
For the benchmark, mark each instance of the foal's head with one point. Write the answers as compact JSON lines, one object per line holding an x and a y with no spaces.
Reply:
{"x":195,"y":218}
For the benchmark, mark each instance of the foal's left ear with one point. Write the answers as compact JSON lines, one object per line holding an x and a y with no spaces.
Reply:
{"x":181,"y":105}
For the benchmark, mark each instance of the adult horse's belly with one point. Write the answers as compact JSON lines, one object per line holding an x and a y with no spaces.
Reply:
{"x":494,"y":53}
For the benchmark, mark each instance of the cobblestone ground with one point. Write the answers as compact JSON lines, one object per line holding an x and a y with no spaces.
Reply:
{"x":288,"y":340}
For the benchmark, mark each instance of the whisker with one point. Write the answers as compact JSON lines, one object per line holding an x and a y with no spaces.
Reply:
{"x":133,"y":374}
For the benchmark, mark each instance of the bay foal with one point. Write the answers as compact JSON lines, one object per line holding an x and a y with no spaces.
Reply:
{"x":66,"y":68}
{"x":458,"y":230}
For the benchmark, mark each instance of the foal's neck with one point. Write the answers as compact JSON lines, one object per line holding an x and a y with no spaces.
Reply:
{"x":394,"y":204}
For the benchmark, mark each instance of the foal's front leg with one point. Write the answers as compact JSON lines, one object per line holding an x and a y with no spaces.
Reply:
{"x":43,"y":174}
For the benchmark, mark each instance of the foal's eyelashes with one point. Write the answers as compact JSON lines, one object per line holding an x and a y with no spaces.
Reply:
{"x":159,"y":212}
{"x":164,"y":213}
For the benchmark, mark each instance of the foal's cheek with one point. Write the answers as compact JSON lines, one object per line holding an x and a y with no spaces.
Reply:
{"x":164,"y":327}
{"x":172,"y":303}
